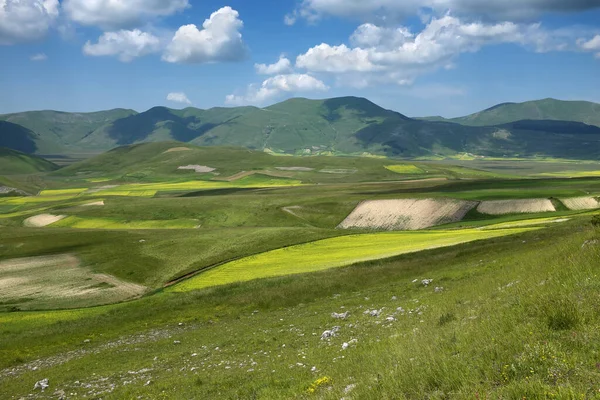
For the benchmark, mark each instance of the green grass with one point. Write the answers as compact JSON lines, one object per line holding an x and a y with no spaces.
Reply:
{"x":105,"y":223}
{"x":331,"y":253}
{"x":14,"y":162}
{"x":406,"y":169}
{"x":517,"y":317}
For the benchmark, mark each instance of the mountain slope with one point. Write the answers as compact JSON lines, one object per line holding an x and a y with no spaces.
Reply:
{"x":547,"y":109}
{"x":17,"y":137}
{"x":60,"y":132}
{"x":15,"y":162}
{"x":160,"y":124}
{"x":302,"y":126}
{"x":340,"y":126}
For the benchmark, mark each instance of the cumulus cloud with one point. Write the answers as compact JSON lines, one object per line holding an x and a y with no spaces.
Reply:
{"x":282,"y":66}
{"x":39,"y":57}
{"x":26,"y":20}
{"x":592,"y":45}
{"x":126,"y":45}
{"x":219,"y":40}
{"x":382,"y":54}
{"x":115,"y":14}
{"x":276,"y":87}
{"x":178,"y":97}
{"x":393,"y":9}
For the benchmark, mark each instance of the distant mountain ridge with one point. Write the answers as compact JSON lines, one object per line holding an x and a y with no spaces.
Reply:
{"x":547,"y":109}
{"x":339,"y":126}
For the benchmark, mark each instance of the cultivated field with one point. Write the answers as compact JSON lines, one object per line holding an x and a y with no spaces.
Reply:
{"x":581,"y":203}
{"x":500,"y":207}
{"x":207,"y":288}
{"x":59,"y":281}
{"x":332,"y":253}
{"x":408,"y":214}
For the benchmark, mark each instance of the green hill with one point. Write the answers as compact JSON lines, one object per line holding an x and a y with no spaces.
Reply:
{"x":14,"y":162}
{"x":339,"y":126}
{"x":547,"y":109}
{"x":61,"y":132}
{"x":17,"y":137}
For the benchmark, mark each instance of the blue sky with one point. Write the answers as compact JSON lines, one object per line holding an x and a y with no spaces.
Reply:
{"x":418,"y":57}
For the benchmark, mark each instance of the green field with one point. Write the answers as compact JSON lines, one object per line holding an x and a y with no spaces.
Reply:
{"x":331,"y":253}
{"x":163,"y":283}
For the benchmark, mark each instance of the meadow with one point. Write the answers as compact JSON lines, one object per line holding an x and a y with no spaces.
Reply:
{"x":190,"y":285}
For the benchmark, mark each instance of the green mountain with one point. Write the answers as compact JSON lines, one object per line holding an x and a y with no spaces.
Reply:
{"x":547,"y":109}
{"x":14,"y":162}
{"x":17,"y":137}
{"x":340,"y":126}
{"x":61,"y":132}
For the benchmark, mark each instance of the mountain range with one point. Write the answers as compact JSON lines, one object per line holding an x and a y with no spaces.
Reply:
{"x":346,"y":125}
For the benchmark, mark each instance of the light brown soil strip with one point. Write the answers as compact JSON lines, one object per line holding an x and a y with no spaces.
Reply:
{"x":96,"y":203}
{"x":42,"y":220}
{"x":501,"y":207}
{"x":581,"y":203}
{"x":406,"y":214}
{"x":174,"y":149}
{"x":198,"y":168}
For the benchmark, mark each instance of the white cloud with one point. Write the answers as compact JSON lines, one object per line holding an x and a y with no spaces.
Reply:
{"x":396,"y":55}
{"x":39,"y":57}
{"x":219,"y":40}
{"x":385,"y":10}
{"x":590,"y":45}
{"x":26,"y":20}
{"x":115,"y":14}
{"x":276,"y":87}
{"x":282,"y":66}
{"x":126,"y":45}
{"x":290,"y":19}
{"x":178,"y":97}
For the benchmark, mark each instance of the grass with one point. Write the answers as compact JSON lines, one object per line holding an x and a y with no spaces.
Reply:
{"x":405,"y":169}
{"x":331,"y":253}
{"x":511,"y":321}
{"x":59,"y":192}
{"x":105,"y":223}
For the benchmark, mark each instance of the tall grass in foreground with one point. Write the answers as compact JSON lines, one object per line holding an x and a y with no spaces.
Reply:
{"x":508,"y":318}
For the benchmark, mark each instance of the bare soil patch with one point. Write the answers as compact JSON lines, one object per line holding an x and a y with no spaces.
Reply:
{"x":299,"y":169}
{"x":42,"y":220}
{"x":175,"y":149}
{"x":198,"y":168}
{"x":501,"y":207}
{"x":95,"y":203}
{"x":581,"y":203}
{"x":59,"y":281}
{"x":406,"y":214}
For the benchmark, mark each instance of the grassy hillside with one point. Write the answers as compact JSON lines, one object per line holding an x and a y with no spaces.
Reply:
{"x":60,"y":132}
{"x":339,"y":126}
{"x":546,"y":109}
{"x":17,"y":137}
{"x":14,"y":162}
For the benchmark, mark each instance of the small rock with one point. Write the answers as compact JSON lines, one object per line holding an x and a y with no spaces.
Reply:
{"x":590,"y":243}
{"x":142,"y":241}
{"x":147,"y":383}
{"x":439,"y":289}
{"x":349,"y":388}
{"x":426,"y":282}
{"x":343,"y":315}
{"x":180,"y":324}
{"x":313,"y":369}
{"x":43,"y":384}
{"x":390,"y":319}
{"x":394,"y":298}
{"x":345,"y":346}
{"x":176,"y":342}
{"x":86,"y":341}
{"x":194,"y":354}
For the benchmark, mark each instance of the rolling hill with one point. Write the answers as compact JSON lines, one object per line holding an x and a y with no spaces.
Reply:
{"x":339,"y":126}
{"x":61,"y":132}
{"x":14,"y":162}
{"x":546,"y":109}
